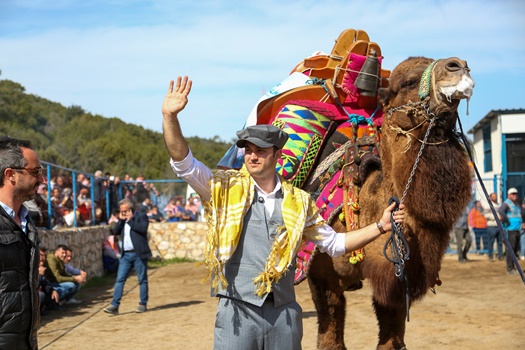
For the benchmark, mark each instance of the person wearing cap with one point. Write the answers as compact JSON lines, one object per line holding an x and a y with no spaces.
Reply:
{"x":510,"y":212}
{"x":256,"y":223}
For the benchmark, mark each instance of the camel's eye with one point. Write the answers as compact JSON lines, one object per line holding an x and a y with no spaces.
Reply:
{"x":412,"y":81}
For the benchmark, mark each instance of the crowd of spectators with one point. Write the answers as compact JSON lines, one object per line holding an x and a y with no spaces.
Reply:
{"x":59,"y":282}
{"x":92,"y":201}
{"x":179,"y":209}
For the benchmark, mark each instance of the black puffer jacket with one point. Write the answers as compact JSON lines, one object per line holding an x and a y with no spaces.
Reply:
{"x":19,"y":299}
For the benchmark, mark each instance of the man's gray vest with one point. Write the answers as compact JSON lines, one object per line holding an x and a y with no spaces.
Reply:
{"x":248,"y":260}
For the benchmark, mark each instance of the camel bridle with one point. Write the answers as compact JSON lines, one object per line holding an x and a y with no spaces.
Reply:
{"x":399,"y":248}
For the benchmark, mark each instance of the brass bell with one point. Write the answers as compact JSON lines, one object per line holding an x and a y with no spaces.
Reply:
{"x":368,"y":79}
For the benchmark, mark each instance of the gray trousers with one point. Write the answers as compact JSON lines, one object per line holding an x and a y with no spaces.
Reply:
{"x":243,"y":326}
{"x":463,"y":234}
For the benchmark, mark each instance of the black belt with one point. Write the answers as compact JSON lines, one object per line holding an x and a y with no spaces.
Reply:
{"x":129,"y":251}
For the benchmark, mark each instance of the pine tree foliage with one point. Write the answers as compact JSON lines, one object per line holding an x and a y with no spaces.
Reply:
{"x":76,"y":139}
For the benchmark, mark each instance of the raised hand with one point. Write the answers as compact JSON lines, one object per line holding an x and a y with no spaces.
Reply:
{"x":176,"y":98}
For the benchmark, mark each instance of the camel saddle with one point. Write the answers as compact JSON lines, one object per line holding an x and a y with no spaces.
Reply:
{"x":333,"y":125}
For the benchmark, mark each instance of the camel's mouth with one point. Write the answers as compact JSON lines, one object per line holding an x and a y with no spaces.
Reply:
{"x":460,"y":90}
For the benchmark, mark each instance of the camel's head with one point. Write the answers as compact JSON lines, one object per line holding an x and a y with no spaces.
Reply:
{"x":420,"y":83}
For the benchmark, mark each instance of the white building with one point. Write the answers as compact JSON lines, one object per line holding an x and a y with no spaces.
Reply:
{"x":499,"y":152}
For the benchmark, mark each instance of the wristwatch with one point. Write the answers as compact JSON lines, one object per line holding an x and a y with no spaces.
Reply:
{"x":380,"y":227}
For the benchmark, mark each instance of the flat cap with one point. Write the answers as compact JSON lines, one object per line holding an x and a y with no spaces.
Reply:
{"x":263,"y":136}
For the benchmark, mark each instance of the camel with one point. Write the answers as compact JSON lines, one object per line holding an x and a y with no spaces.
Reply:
{"x":414,"y":131}
{"x":417,"y":155}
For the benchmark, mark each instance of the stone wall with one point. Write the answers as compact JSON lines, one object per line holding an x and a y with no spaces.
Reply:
{"x":178,"y":240}
{"x":166,"y":240}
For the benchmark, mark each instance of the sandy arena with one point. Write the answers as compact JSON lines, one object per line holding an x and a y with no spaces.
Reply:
{"x":478,"y":307}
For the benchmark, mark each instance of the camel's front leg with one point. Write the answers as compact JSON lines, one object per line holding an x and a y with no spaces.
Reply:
{"x":330,"y":303}
{"x":391,"y":327}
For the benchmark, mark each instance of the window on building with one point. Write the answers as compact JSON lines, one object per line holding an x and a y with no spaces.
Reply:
{"x":515,"y":153}
{"x":487,"y":148}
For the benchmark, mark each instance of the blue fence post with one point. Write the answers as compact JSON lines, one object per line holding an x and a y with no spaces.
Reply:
{"x":74,"y":184}
{"x":92,"y":192}
{"x":107,"y":204}
{"x":49,"y":206}
{"x":119,"y":191}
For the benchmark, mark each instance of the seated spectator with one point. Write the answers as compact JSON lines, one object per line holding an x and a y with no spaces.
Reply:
{"x":146,"y":205}
{"x":86,"y":183}
{"x":193,"y":208}
{"x":111,"y":254}
{"x":42,"y":192}
{"x":153,"y":190}
{"x":70,"y":270}
{"x":66,"y":285}
{"x":99,"y":199}
{"x":61,"y":199}
{"x":56,"y":196}
{"x":80,"y":181}
{"x":41,"y":200}
{"x":154,"y":215}
{"x":60,"y":184}
{"x":66,"y":204}
{"x":57,"y":215}
{"x":113,"y":219}
{"x":35,"y":213}
{"x":173,"y":210}
{"x":49,"y":297}
{"x":84,"y":206}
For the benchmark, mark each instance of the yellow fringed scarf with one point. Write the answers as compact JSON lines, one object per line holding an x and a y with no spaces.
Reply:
{"x":231,"y":197}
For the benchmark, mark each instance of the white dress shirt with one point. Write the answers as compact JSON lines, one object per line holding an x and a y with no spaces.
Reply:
{"x":22,"y":214}
{"x":198,"y":175}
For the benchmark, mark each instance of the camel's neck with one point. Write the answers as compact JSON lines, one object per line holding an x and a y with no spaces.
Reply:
{"x":441,"y":173}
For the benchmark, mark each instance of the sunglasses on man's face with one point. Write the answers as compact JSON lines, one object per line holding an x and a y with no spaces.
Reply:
{"x":35,"y":172}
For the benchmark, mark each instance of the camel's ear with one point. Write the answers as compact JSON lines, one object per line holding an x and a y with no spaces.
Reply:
{"x":383,"y":95}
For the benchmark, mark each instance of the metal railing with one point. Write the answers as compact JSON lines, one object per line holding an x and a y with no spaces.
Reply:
{"x":49,"y":167}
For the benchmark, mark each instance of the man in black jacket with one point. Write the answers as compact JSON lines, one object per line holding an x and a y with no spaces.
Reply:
{"x":133,"y":226}
{"x":20,"y":176}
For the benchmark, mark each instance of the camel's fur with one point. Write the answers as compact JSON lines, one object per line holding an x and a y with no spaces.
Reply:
{"x":438,"y":193}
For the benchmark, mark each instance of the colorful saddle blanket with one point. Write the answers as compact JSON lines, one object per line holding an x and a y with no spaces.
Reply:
{"x":327,"y":185}
{"x":307,"y":123}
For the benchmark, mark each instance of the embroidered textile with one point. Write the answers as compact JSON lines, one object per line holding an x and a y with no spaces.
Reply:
{"x":231,"y":196}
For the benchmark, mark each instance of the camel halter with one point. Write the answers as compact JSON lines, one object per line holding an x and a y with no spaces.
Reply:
{"x":399,"y":248}
{"x":427,"y":81}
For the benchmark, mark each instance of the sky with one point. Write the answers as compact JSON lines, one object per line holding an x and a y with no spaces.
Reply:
{"x":115,"y":58}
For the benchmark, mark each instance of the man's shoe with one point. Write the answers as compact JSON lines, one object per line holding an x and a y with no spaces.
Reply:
{"x":111,"y":310}
{"x":73,"y":301}
{"x":512,"y":272}
{"x":141,"y":309}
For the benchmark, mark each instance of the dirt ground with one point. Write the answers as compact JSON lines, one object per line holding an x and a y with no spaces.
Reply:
{"x":478,"y":307}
